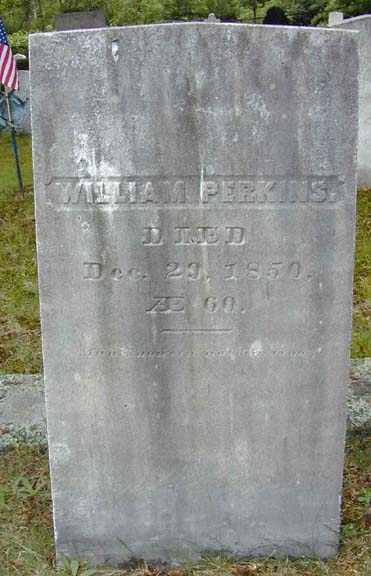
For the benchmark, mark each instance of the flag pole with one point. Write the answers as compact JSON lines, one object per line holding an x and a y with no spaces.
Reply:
{"x":14,"y":142}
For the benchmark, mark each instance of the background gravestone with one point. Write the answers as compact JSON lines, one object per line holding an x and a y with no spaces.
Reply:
{"x":195,"y":230}
{"x":363,"y":25}
{"x":24,"y":93}
{"x":80,"y":20}
{"x":335,"y":18}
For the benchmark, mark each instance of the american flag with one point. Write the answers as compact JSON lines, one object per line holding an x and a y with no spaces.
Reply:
{"x":8,"y":68}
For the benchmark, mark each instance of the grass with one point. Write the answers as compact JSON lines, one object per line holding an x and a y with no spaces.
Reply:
{"x":361,"y":334}
{"x":20,"y":342}
{"x":26,"y":537}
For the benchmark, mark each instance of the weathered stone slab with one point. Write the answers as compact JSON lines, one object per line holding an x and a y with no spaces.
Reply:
{"x":195,"y":225}
{"x":22,"y":411}
{"x":24,"y":93}
{"x":335,"y":18}
{"x":22,"y":405}
{"x":362,"y":24}
{"x":80,"y":20}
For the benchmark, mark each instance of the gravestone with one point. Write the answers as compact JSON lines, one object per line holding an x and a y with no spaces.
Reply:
{"x":80,"y":20}
{"x":24,"y":93}
{"x":195,"y":230}
{"x":212,"y":18}
{"x":362,"y":24}
{"x":335,"y":18}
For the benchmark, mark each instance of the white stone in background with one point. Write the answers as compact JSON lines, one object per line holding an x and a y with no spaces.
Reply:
{"x":22,"y":411}
{"x":212,"y":18}
{"x":363,"y":25}
{"x":24,"y":93}
{"x":335,"y":18}
{"x":195,"y":201}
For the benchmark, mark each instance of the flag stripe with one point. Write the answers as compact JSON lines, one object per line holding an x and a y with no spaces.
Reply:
{"x":3,"y":51}
{"x":8,"y":67}
{"x":8,"y":70}
{"x":11,"y":79}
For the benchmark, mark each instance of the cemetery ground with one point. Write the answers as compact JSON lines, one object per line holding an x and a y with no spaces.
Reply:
{"x":26,"y":539}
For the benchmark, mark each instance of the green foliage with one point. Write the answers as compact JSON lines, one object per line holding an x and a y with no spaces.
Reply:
{"x":22,"y":488}
{"x":151,"y":11}
{"x":223,"y":9}
{"x":16,"y":14}
{"x":76,"y":568}
{"x":135,"y":12}
{"x":252,"y":6}
{"x":80,"y":5}
{"x":354,"y":7}
{"x":365,"y":496}
{"x":26,"y":536}
{"x":302,"y":12}
{"x":4,"y":493}
{"x":19,"y":42}
{"x":349,"y":8}
{"x":124,"y":12}
{"x":23,"y":16}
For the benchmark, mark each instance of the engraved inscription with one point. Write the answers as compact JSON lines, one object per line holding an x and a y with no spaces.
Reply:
{"x":227,"y":304}
{"x":176,"y":270}
{"x":251,"y":352}
{"x":209,"y":235}
{"x":203,"y":235}
{"x":207,"y":300}
{"x":192,"y":292}
{"x":167,"y":304}
{"x":193,"y":271}
{"x":262,"y":192}
{"x":93,"y":270}
{"x":228,"y":191}
{"x":152,"y":236}
{"x":257,"y":270}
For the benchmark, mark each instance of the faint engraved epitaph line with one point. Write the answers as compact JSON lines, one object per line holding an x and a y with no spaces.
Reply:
{"x":197,"y":330}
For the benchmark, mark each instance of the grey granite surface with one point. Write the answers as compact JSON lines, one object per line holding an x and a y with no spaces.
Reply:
{"x":362,"y":24}
{"x":22,"y":405}
{"x":195,"y":205}
{"x":22,"y":410}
